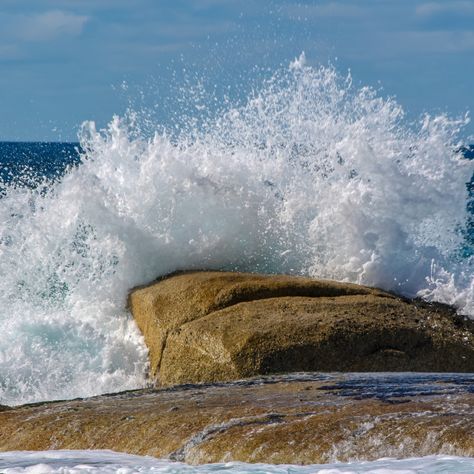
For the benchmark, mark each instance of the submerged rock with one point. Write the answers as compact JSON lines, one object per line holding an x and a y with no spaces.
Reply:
{"x":298,"y":419}
{"x":217,"y":326}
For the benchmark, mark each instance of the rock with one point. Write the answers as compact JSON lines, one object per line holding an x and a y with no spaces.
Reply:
{"x":217,"y":326}
{"x":298,"y":419}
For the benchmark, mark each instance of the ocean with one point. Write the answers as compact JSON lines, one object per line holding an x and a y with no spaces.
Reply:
{"x":309,"y":176}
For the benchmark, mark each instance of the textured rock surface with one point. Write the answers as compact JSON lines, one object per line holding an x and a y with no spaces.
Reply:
{"x":304,"y":418}
{"x":216,"y":326}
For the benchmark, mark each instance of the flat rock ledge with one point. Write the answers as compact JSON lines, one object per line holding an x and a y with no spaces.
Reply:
{"x":297,"y":419}
{"x":221,"y":326}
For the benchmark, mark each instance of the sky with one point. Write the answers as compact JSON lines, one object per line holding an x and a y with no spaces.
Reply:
{"x":66,"y":61}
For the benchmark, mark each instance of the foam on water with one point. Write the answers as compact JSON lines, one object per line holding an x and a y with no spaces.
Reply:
{"x":76,"y":462}
{"x":311,"y":176}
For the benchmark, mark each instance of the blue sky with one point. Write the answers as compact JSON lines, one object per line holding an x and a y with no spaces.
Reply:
{"x":64,"y":61}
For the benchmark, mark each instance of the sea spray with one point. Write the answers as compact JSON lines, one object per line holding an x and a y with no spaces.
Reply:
{"x":310,"y":176}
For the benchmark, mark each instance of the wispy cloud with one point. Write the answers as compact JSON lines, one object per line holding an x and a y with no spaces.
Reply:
{"x":452,"y":15}
{"x":435,"y":8}
{"x":49,"y":25}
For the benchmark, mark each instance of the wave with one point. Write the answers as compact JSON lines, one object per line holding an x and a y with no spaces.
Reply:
{"x":310,"y":176}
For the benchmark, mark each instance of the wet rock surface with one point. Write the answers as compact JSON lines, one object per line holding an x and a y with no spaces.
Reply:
{"x":218,"y":326}
{"x":299,"y":418}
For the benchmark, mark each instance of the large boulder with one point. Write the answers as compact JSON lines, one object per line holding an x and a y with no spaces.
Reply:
{"x":216,"y":326}
{"x":299,"y":419}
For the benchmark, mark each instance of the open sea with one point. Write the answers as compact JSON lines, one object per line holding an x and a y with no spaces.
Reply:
{"x":309,"y":176}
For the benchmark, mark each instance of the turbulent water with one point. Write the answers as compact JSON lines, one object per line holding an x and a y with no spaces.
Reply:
{"x":76,"y":462}
{"x":311,"y":175}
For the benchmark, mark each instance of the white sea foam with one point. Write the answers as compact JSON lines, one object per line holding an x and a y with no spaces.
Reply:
{"x":76,"y":462}
{"x":311,"y":176}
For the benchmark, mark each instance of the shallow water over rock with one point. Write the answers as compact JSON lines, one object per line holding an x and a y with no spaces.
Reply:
{"x":302,"y":418}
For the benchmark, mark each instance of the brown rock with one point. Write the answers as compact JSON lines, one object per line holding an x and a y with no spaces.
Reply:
{"x":216,"y":326}
{"x":305,"y":418}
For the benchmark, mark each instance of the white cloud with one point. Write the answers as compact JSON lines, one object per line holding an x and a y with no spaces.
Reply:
{"x":49,"y":25}
{"x":435,"y":8}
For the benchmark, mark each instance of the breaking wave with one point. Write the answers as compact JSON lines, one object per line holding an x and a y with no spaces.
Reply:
{"x":311,"y":176}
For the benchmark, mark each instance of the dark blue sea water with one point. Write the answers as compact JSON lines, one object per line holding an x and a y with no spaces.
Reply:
{"x":25,"y":163}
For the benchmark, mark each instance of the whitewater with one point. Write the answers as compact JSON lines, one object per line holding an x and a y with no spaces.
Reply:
{"x":310,"y":175}
{"x":77,"y":462}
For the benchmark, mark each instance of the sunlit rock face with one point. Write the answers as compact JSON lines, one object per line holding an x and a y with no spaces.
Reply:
{"x":299,"y":419}
{"x":217,"y":326}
